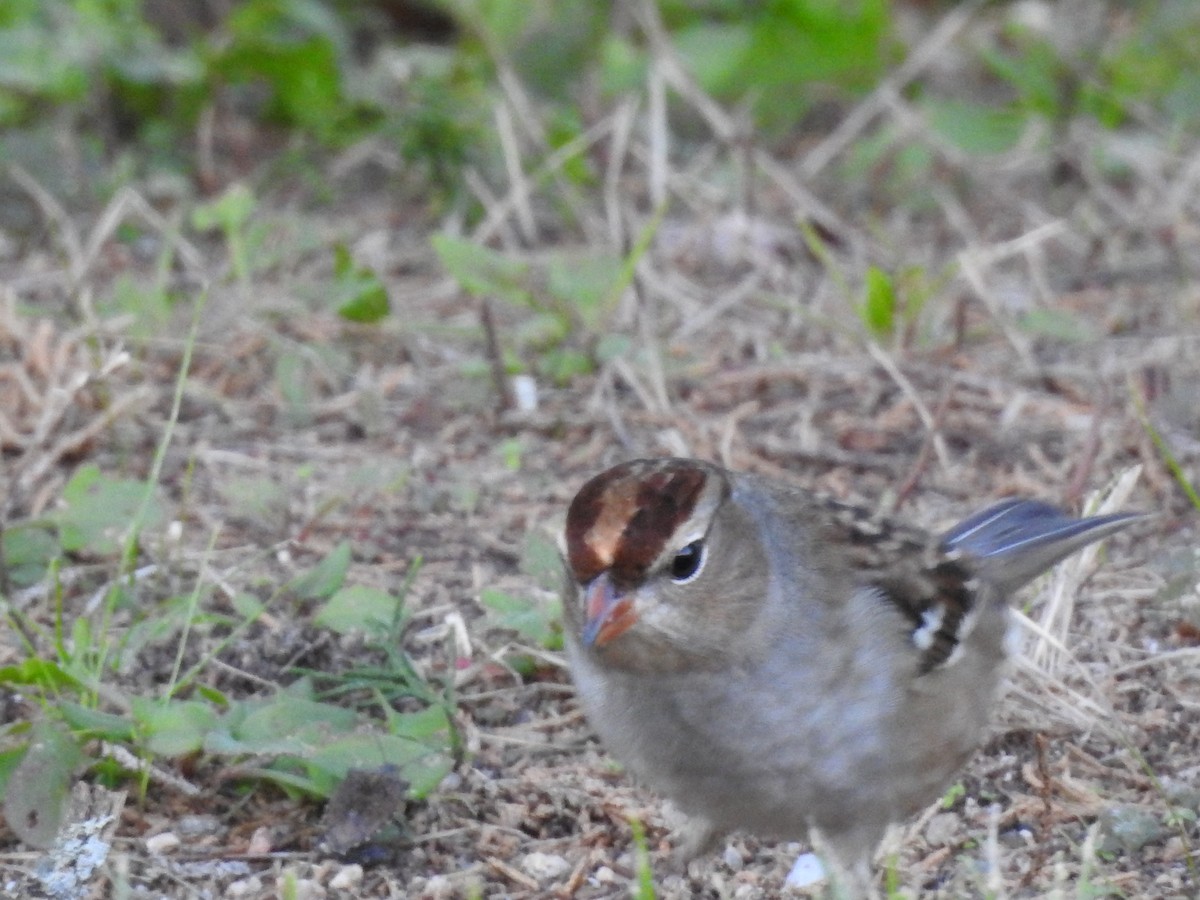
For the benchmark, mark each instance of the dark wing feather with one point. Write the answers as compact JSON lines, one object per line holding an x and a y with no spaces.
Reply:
{"x":933,"y":581}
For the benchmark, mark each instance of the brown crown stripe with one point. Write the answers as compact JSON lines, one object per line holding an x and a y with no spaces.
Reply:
{"x":621,"y":519}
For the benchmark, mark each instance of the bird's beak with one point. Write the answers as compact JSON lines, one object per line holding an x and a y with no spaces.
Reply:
{"x":608,"y":613}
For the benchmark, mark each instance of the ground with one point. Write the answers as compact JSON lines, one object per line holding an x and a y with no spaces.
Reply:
{"x":1050,"y":351}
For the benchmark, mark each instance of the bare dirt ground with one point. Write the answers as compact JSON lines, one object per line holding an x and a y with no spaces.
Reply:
{"x":1062,"y":315}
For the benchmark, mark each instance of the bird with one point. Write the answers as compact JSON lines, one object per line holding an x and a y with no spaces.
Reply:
{"x":777,"y":661}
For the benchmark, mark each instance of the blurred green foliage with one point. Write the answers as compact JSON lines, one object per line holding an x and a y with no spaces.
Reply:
{"x":146,"y":70}
{"x":783,"y":56}
{"x":1147,"y":57}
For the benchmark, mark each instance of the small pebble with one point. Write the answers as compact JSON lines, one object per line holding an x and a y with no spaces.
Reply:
{"x":245,"y":887}
{"x":544,"y":866}
{"x":1174,"y":849}
{"x":525,"y":392}
{"x":349,"y":877}
{"x":192,"y":825}
{"x":437,"y":887}
{"x":163,"y":842}
{"x":806,"y":871}
{"x":941,"y":829}
{"x":1127,"y":828}
{"x":605,"y":875}
{"x":307,"y":889}
{"x":733,"y":858}
{"x":260,"y":841}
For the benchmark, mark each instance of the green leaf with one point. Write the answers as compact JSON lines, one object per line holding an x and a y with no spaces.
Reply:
{"x":289,"y":716}
{"x":563,"y":364}
{"x":212,"y":695}
{"x":1058,"y":324}
{"x":39,"y":789}
{"x":715,"y":52}
{"x":483,"y":272}
{"x":247,"y":606}
{"x":228,"y":212}
{"x":221,"y":742}
{"x":425,"y":774}
{"x":325,"y":577}
{"x":100,"y":511}
{"x":175,"y":728}
{"x":878,"y":311}
{"x":343,"y":262}
{"x":974,"y":128}
{"x":611,"y":346}
{"x":623,"y":66}
{"x":539,"y":623}
{"x":28,"y":552}
{"x":541,"y":560}
{"x":10,"y":759}
{"x":359,"y":608}
{"x":358,"y":292}
{"x":263,"y":498}
{"x":586,"y":284}
{"x":766,"y":54}
{"x":420,"y":726}
{"x":294,"y":781}
{"x":295,"y":384}
{"x":371,"y":750}
{"x":1036,"y":71}
{"x":510,"y":451}
{"x":95,"y":723}
{"x":39,"y":673}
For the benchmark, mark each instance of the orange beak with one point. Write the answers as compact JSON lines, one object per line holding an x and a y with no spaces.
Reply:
{"x":608,"y":613}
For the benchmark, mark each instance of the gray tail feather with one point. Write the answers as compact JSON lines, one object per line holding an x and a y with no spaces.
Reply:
{"x":1016,"y":540}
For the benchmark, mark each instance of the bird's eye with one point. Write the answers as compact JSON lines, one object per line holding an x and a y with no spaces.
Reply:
{"x":687,"y":562}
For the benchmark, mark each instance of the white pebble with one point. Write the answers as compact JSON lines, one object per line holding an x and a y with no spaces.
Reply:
{"x":348,"y":877}
{"x":544,"y":866}
{"x":245,"y":887}
{"x":437,"y":887}
{"x":733,"y":858}
{"x":307,"y":889}
{"x":164,"y":842}
{"x":806,"y":871}
{"x":525,"y":392}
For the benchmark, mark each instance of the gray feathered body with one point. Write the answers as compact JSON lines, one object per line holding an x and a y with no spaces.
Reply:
{"x":851,"y":689}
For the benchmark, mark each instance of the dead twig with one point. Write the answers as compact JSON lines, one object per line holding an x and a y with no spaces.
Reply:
{"x":921,"y":463}
{"x":495,"y":357}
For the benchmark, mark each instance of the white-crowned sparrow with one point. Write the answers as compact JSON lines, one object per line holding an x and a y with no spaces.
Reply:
{"x":774,"y":660}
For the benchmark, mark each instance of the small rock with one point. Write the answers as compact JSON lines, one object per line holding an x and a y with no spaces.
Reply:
{"x":733,"y":858}
{"x":307,"y":889}
{"x":195,"y":825}
{"x":605,"y":875}
{"x":260,"y":841}
{"x":1128,"y":827}
{"x":436,"y":888}
{"x":525,"y":392}
{"x":806,"y":871}
{"x":1174,"y":849}
{"x":544,"y":866}
{"x":245,"y":887}
{"x":163,"y":842}
{"x":1181,"y":793}
{"x":941,"y":829}
{"x":347,"y":878}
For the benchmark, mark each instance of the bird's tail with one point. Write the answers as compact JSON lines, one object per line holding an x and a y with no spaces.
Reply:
{"x":1016,"y":540}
